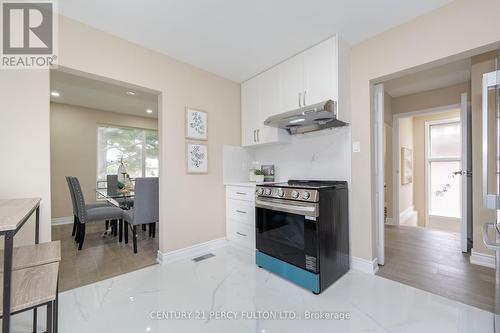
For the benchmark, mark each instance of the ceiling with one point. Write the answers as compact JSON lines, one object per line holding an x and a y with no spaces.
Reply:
{"x":238,"y":39}
{"x":95,"y":94}
{"x":433,"y":78}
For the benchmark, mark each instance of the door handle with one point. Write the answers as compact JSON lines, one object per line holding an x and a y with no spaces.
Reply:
{"x":240,"y":211}
{"x":300,"y":101}
{"x":258,"y":136}
{"x":241,"y":193}
{"x":239,"y":233}
{"x":304,"y":98}
{"x":254,"y":136}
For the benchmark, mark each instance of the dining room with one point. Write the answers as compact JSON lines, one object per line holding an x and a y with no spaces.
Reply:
{"x":104,"y":177}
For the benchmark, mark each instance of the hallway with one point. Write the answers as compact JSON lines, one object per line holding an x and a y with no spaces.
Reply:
{"x":431,"y":260}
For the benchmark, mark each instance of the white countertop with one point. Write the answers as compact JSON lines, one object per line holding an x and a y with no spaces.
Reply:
{"x":246,"y":184}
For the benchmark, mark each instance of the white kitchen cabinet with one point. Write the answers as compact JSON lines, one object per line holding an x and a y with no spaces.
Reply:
{"x":240,"y":215}
{"x":291,"y":83}
{"x":259,"y":100}
{"x":321,"y":72}
{"x":250,"y":108}
{"x":307,"y":78}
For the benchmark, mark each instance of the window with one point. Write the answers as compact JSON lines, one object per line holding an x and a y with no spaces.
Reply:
{"x":138,"y":148}
{"x":444,"y":158}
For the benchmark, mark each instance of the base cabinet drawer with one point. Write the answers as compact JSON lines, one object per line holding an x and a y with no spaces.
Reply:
{"x":240,"y":193}
{"x":241,"y":233}
{"x":242,"y":211}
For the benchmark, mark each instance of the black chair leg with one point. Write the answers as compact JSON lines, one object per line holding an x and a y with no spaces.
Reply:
{"x":143,"y":227}
{"x":82,"y":236}
{"x":77,"y":236}
{"x":154,"y":230}
{"x":120,"y":230}
{"x":74,"y":226}
{"x":125,"y":230}
{"x":107,"y":227}
{"x":150,"y":230}
{"x":50,"y":316}
{"x":134,"y":236}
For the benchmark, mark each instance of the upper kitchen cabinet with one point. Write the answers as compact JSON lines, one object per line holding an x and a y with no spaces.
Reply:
{"x":320,"y":73}
{"x":291,"y":83}
{"x":307,"y":78}
{"x":259,"y":100}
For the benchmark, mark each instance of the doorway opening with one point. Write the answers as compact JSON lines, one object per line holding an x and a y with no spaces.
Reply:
{"x":105,"y":137}
{"x":423,"y":181}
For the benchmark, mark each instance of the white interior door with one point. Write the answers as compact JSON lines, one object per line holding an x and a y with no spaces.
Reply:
{"x":378,"y":108}
{"x":466,"y":172}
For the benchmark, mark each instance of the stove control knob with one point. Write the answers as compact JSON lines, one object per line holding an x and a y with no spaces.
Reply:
{"x":295,"y":194}
{"x":306,"y":195}
{"x":267,"y":191}
{"x":280,"y":193}
{"x":260,"y":191}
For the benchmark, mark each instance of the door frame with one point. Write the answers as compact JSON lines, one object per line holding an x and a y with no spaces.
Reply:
{"x":396,"y":154}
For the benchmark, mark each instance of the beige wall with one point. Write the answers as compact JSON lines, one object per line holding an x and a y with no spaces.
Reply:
{"x":449,"y":32}
{"x":430,"y":99}
{"x":73,"y":149}
{"x":480,"y":65}
{"x":24,"y":147}
{"x":419,"y":176}
{"x":82,"y":48}
{"x":405,"y":141}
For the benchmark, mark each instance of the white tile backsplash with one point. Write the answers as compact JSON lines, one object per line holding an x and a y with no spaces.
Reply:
{"x":317,"y":155}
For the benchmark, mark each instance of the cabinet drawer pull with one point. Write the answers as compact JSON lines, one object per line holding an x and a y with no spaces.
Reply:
{"x":254,"y":140}
{"x":241,"y":193}
{"x":240,"y":211}
{"x":300,"y":100}
{"x":239,"y":233}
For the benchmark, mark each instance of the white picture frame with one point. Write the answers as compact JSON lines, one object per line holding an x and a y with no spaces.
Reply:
{"x":196,"y":158}
{"x":196,"y":124}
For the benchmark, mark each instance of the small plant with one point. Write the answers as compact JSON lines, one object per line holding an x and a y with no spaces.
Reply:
{"x":259,"y":173}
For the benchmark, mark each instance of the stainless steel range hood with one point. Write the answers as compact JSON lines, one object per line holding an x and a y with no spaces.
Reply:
{"x":308,"y":118}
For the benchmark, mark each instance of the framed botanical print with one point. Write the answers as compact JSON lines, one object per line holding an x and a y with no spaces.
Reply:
{"x":196,"y":124}
{"x":196,"y":158}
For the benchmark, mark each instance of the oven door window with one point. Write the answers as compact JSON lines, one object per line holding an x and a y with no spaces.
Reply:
{"x":289,"y":237}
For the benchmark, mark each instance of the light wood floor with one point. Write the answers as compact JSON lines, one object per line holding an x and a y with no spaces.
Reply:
{"x":431,"y":260}
{"x":102,"y":257}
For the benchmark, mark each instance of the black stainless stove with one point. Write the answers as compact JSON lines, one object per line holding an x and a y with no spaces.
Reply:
{"x":302,"y":231}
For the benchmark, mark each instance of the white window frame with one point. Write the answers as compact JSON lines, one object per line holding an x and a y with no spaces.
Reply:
{"x":101,"y":182}
{"x":429,"y":160}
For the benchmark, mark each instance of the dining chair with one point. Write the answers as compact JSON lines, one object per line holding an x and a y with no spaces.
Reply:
{"x":146,"y":207}
{"x":73,"y":202}
{"x":86,"y":215}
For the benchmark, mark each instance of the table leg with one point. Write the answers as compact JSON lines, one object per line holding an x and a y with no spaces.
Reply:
{"x":37,"y":240}
{"x":7,"y":280}
{"x":50,"y":316}
{"x":120,"y":230}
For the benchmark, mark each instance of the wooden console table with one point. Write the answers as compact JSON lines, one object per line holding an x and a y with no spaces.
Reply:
{"x":30,"y":273}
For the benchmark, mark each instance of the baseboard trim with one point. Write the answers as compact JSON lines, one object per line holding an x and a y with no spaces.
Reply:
{"x":190,"y":251}
{"x":407,"y":214}
{"x":363,"y":265}
{"x":389,"y":221}
{"x":482,"y":259}
{"x":62,"y":220}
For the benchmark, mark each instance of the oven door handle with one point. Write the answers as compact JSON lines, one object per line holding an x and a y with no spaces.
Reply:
{"x":306,"y":210}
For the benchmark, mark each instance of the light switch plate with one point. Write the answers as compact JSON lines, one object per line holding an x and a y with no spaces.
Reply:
{"x":356,"y":147}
